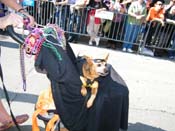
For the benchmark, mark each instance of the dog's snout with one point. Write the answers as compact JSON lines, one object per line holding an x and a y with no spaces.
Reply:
{"x":106,"y":70}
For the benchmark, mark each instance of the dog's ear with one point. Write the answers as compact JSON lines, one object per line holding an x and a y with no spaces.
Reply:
{"x":106,"y":57}
{"x":88,"y":60}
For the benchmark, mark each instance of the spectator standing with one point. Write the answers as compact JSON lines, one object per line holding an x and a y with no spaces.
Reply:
{"x":136,"y":16}
{"x":93,"y":23}
{"x":62,"y":12}
{"x":77,"y":10}
{"x":156,"y":13}
{"x":115,"y":30}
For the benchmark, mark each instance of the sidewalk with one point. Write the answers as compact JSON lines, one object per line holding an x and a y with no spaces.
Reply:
{"x":150,"y":81}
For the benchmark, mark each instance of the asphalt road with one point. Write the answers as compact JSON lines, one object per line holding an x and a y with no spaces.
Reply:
{"x":151,"y":82}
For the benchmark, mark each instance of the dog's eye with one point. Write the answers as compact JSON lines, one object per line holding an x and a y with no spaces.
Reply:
{"x":98,"y":65}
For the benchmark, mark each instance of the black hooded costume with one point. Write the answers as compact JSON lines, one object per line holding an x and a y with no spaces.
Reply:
{"x":110,"y":108}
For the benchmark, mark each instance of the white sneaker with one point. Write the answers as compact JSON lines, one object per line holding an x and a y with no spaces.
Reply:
{"x":130,"y":50}
{"x":171,"y":57}
{"x":90,"y":42}
{"x":147,"y":51}
{"x":124,"y":49}
{"x":97,"y":39}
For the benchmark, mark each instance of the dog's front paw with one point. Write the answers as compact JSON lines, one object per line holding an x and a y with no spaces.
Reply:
{"x":89,"y":103}
{"x":83,"y":91}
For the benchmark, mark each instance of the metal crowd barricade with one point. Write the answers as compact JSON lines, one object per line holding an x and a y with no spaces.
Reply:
{"x":43,"y":11}
{"x":76,"y":22}
{"x":158,"y":36}
{"x":46,"y":12}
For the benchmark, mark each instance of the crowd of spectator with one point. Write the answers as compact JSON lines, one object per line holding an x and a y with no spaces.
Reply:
{"x":131,"y":17}
{"x":126,"y":25}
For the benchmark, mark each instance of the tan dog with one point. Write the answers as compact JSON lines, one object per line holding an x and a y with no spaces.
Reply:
{"x":92,"y":69}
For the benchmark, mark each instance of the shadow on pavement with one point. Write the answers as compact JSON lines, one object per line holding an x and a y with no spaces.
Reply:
{"x":22,"y":97}
{"x":9,"y":44}
{"x":30,"y":98}
{"x":132,"y":127}
{"x":142,"y":127}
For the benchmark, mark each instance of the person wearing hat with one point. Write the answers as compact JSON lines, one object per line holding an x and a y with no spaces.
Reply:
{"x":155,"y":13}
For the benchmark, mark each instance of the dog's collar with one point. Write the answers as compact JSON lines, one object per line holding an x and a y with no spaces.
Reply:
{"x":88,"y":83}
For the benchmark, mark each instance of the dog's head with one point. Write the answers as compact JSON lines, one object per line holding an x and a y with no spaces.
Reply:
{"x":93,"y":68}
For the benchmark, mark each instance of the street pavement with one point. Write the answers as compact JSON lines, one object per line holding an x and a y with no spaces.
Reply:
{"x":151,"y":82}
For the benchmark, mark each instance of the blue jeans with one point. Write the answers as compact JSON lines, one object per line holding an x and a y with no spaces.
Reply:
{"x":75,"y":19}
{"x":61,"y":15}
{"x":131,"y":33}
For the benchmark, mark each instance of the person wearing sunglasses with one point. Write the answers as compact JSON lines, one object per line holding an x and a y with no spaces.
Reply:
{"x":155,"y":15}
{"x":156,"y":12}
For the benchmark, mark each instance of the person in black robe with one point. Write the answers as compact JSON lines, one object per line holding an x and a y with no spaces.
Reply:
{"x":110,"y":109}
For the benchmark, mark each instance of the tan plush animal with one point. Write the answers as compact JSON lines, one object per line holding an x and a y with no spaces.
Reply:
{"x":92,"y":69}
